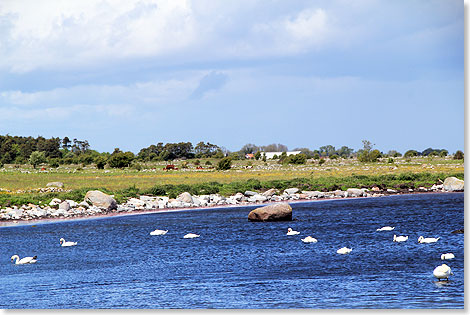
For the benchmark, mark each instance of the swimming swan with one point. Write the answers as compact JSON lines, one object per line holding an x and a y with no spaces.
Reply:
{"x":400,"y":238}
{"x":159,"y":232}
{"x":191,"y":235}
{"x":63,"y":243}
{"x":309,"y":239}
{"x":25,"y":260}
{"x":447,"y":256}
{"x":344,"y":250}
{"x":427,"y":239}
{"x":386,"y":228}
{"x":442,"y":272}
{"x":291,"y":232}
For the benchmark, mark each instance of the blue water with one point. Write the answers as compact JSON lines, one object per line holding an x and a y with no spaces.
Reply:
{"x":241,"y":264}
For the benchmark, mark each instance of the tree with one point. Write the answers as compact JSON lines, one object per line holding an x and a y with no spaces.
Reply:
{"x":411,"y":153}
{"x":296,"y":158}
{"x":458,"y":155}
{"x":274,"y":148}
{"x":100,"y":162}
{"x":224,"y":164}
{"x":37,"y":158}
{"x":257,"y":155}
{"x":364,"y":155}
{"x":66,"y":143}
{"x":443,"y":153}
{"x":249,"y":148}
{"x":327,"y":150}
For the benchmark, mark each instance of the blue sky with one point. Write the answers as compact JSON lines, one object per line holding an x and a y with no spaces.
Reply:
{"x":129,"y":74}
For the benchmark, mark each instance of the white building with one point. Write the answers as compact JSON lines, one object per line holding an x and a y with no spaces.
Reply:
{"x":269,"y":155}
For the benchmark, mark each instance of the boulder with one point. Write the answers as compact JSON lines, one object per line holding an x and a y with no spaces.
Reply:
{"x":276,"y":212}
{"x":313,"y":194}
{"x":355,"y":192}
{"x":55,"y":184}
{"x":291,"y":191}
{"x":269,"y":193}
{"x":101,"y":200}
{"x":55,"y":202}
{"x":185,"y":197}
{"x":453,"y":184}
{"x":64,"y":205}
{"x":250,"y":193}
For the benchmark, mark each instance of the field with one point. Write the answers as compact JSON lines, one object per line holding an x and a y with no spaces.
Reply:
{"x":19,"y":183}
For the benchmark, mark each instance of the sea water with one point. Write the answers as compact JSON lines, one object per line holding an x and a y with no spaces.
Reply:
{"x":240,"y":264}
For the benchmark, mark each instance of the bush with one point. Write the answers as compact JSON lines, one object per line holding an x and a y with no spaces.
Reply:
{"x":121,"y":159}
{"x":224,"y":164}
{"x":334,"y":157}
{"x":321,"y":161}
{"x":100,"y":162}
{"x":54,"y":163}
{"x":300,"y":158}
{"x":390,"y":160}
{"x":208,"y":163}
{"x":197,"y":162}
{"x":411,"y":153}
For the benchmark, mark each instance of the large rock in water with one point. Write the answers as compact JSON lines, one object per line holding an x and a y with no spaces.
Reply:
{"x":453,"y":184}
{"x":276,"y":212}
{"x":101,"y":200}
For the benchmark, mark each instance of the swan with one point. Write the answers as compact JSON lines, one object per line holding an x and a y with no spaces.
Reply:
{"x":447,"y":256}
{"x":442,"y":272}
{"x":427,"y":239}
{"x":25,"y":260}
{"x":159,"y":232}
{"x":309,"y":239}
{"x":63,"y":243}
{"x":191,"y":235}
{"x":344,"y":250}
{"x":400,"y":238}
{"x":386,"y":228}
{"x":291,"y":232}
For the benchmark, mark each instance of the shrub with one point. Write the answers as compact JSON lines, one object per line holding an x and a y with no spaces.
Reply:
{"x":121,"y":159}
{"x":197,"y":162}
{"x":224,"y":164}
{"x":100,"y":162}
{"x":443,"y":153}
{"x":54,"y":163}
{"x":334,"y":157}
{"x":37,"y":158}
{"x":208,"y":163}
{"x":321,"y":161}
{"x":411,"y":153}
{"x":300,"y":158}
{"x":390,"y":160}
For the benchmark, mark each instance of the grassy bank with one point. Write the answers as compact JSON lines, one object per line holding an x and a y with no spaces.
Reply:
{"x":404,"y":180}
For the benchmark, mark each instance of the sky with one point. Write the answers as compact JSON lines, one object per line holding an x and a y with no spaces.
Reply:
{"x":129,"y":74}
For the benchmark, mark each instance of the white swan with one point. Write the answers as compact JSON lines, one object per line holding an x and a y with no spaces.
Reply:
{"x":191,"y":235}
{"x":386,"y":228}
{"x":25,"y":260}
{"x":159,"y":232}
{"x":442,"y":272}
{"x":291,"y":232}
{"x":447,"y":256}
{"x":63,"y":243}
{"x":344,"y":250}
{"x":400,"y":238}
{"x":427,"y":239}
{"x":309,"y":239}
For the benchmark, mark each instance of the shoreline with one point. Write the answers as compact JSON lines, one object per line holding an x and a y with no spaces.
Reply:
{"x":9,"y":223}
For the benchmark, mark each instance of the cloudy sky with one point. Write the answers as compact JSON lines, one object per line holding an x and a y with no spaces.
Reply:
{"x":129,"y":74}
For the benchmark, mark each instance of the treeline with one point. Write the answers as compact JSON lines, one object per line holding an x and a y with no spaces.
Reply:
{"x":57,"y":151}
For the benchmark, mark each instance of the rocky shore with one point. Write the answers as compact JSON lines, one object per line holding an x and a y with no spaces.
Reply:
{"x":97,"y":203}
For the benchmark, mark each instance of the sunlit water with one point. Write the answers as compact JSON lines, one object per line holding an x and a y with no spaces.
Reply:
{"x":241,"y":264}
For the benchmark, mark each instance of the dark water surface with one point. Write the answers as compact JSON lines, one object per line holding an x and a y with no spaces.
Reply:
{"x":241,"y":264}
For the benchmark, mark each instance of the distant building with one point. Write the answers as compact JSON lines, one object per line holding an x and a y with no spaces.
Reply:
{"x":249,"y":156}
{"x":270,"y":155}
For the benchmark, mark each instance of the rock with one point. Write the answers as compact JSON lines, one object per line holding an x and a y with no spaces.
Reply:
{"x":250,"y":193}
{"x":101,"y":200}
{"x":271,"y":192}
{"x":257,"y":198}
{"x":64,"y":206}
{"x":340,"y":193}
{"x":185,"y":197}
{"x":55,"y":202}
{"x":276,"y":212}
{"x":355,"y":192}
{"x":375,"y":188}
{"x":391,"y":191}
{"x":239,"y":197}
{"x":453,"y":184}
{"x":314,"y":194}
{"x":84,"y":204}
{"x":72,"y":203}
{"x":55,"y":184}
{"x":135,"y":202}
{"x":458,"y":231}
{"x":291,"y":191}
